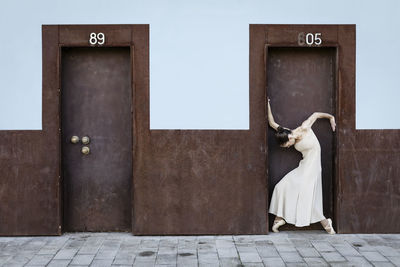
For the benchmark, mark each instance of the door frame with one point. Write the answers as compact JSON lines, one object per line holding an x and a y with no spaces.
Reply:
{"x":341,"y":37}
{"x":57,"y":37}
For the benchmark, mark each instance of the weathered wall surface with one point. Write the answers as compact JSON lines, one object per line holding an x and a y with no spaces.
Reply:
{"x":368,"y":188}
{"x":200,"y":182}
{"x":30,"y":162}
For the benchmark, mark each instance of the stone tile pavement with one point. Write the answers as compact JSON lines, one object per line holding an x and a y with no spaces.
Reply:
{"x":291,"y":248}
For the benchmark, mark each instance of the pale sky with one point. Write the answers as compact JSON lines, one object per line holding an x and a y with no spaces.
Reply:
{"x":199,"y":55}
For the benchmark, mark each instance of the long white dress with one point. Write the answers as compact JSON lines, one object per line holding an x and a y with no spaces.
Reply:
{"x":298,"y":196}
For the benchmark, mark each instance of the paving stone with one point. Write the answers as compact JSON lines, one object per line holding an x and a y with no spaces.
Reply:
{"x":395,"y":260}
{"x":65,"y":254}
{"x":302,"y":243}
{"x":358,"y":261}
{"x":4,"y":259}
{"x":187,"y":262}
{"x":291,"y":257}
{"x":144,"y":264}
{"x":209,"y":264}
{"x":382,"y":264}
{"x":246,"y":248}
{"x":273,"y":262}
{"x":267,"y":251}
{"x":124,"y":259}
{"x":17,"y":261}
{"x":388,"y":251}
{"x":91,"y":246}
{"x":80,"y":259}
{"x":332,"y":256}
{"x":40,"y":259}
{"x":229,"y":262}
{"x":346,"y":249}
{"x":323,"y":246}
{"x":347,"y":264}
{"x":168,"y":250}
{"x":210,"y":258}
{"x":106,"y":254}
{"x":58,"y":263}
{"x":373,"y":256}
{"x":296,"y":264}
{"x":285,"y":248}
{"x":308,"y":252}
{"x":227,"y":252}
{"x":250,"y":257}
{"x":166,"y":259}
{"x":252,"y":264}
{"x":315,"y":262}
{"x":101,"y":263}
{"x":146,"y":255}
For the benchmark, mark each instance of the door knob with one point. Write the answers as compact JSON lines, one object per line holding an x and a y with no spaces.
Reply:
{"x":85,"y":150}
{"x":85,"y":140}
{"x":74,"y":139}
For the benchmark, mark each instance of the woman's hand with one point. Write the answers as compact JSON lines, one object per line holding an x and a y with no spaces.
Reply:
{"x":333,"y":123}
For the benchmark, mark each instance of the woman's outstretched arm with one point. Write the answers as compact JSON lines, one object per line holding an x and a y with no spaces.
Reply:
{"x":319,"y":115}
{"x":271,"y":120}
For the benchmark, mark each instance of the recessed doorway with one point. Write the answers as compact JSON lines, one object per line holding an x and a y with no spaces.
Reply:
{"x":300,"y":81}
{"x":96,"y":138}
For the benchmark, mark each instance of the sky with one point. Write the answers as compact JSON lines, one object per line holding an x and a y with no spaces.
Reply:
{"x":199,"y":55}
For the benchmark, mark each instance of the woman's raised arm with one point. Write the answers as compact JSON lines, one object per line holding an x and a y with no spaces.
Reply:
{"x":319,"y":115}
{"x":271,"y":120}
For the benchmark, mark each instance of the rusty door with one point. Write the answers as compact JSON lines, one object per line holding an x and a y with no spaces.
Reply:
{"x":96,"y":102}
{"x":301,"y":81}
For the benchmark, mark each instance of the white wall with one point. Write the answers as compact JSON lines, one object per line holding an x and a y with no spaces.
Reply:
{"x":199,"y":55}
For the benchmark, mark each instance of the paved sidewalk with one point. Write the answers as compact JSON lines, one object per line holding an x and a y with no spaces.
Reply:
{"x":300,"y":248}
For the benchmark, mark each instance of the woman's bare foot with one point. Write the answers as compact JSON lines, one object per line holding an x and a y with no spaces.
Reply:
{"x":278,"y":222}
{"x":327,"y":224}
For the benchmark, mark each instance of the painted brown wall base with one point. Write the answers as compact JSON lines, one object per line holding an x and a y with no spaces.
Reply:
{"x":200,"y":182}
{"x":370,"y":182}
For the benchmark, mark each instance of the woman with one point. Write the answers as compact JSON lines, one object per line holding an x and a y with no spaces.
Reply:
{"x":297,"y":198}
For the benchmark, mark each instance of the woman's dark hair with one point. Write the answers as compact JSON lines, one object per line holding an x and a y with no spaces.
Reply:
{"x":282,"y":135}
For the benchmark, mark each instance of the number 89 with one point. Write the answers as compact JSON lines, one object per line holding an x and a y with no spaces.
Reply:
{"x":99,"y":38}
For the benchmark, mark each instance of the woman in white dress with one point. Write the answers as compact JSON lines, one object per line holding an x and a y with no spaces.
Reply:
{"x":297,"y":198}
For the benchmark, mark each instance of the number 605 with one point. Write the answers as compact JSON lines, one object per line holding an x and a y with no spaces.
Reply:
{"x":309,"y":38}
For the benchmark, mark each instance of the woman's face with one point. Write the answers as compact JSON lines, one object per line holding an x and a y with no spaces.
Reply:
{"x":291,"y":141}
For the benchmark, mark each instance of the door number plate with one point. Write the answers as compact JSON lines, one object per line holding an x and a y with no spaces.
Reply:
{"x":309,"y":39}
{"x":97,"y":38}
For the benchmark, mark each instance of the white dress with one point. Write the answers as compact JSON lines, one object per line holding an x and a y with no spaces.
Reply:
{"x":298,"y":196}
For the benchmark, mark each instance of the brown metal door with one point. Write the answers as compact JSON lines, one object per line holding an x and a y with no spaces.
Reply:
{"x":96,"y":102}
{"x":301,"y":81}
